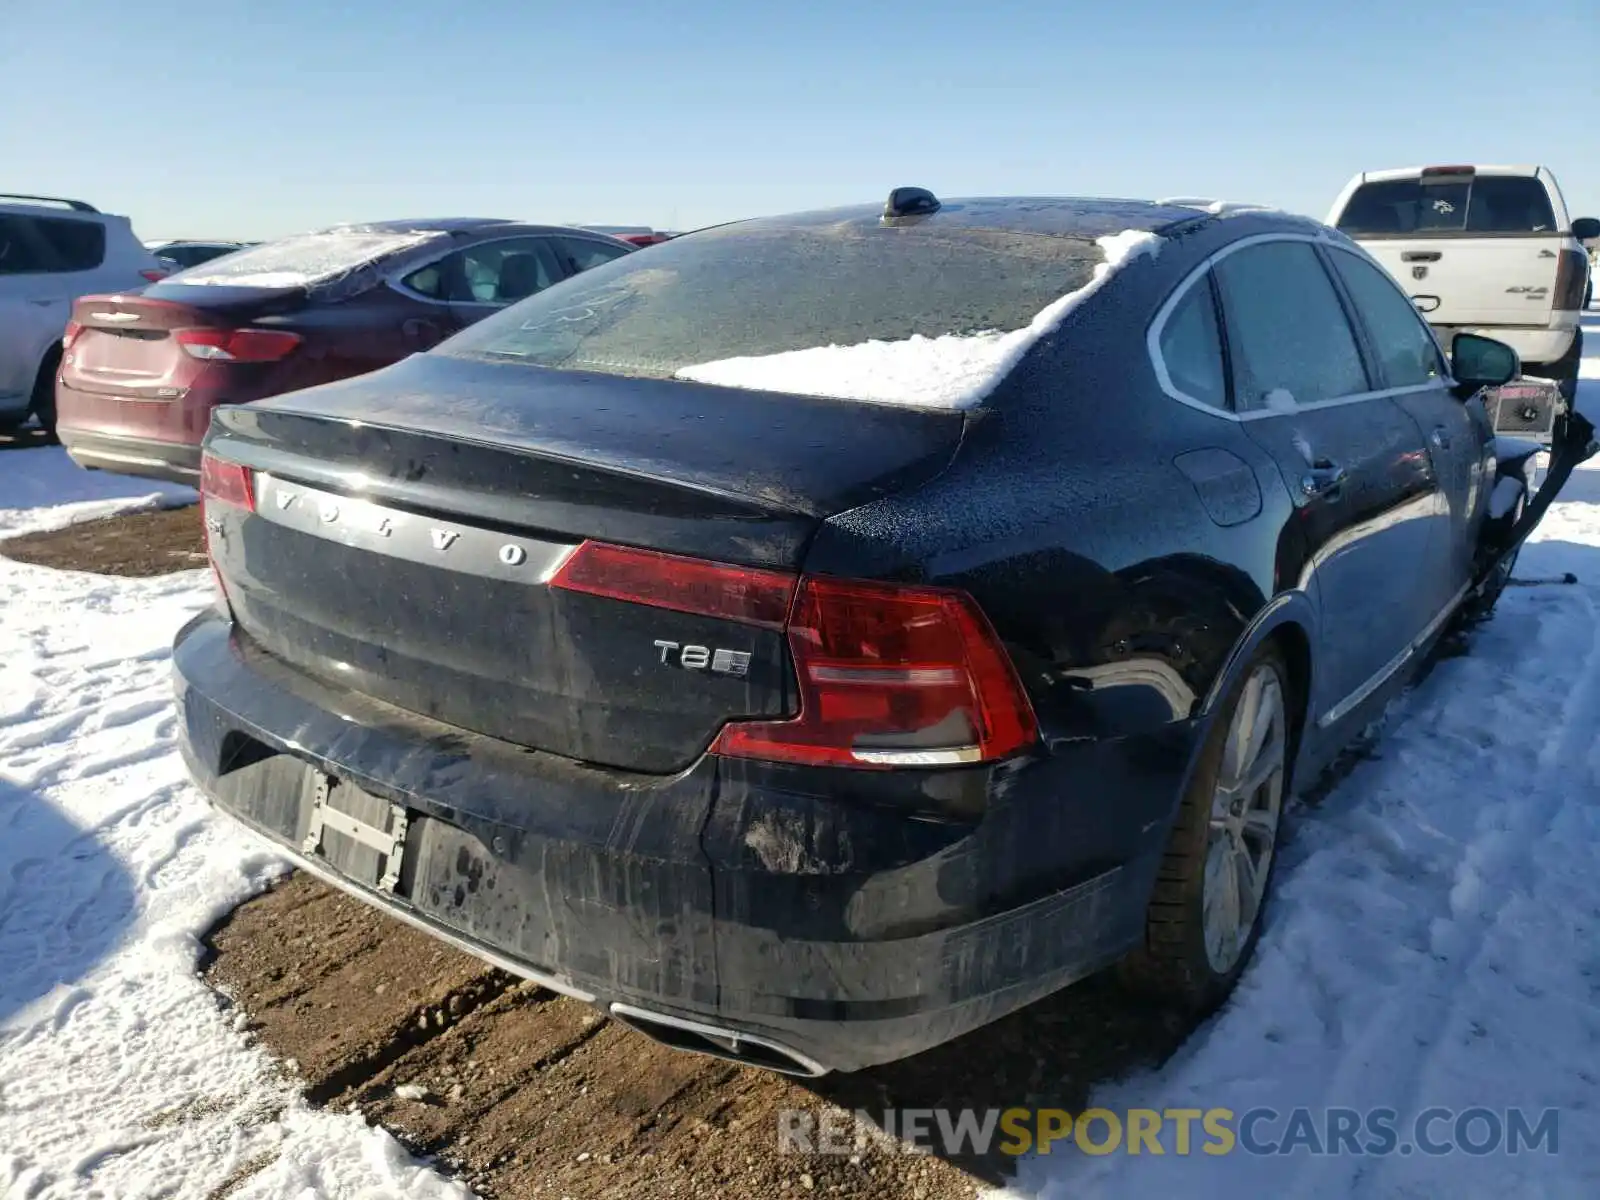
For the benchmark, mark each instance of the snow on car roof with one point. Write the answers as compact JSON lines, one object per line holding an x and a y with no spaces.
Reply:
{"x":302,"y":260}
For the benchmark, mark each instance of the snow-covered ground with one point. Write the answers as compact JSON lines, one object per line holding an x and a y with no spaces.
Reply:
{"x":120,"y":1077}
{"x":1435,"y":939}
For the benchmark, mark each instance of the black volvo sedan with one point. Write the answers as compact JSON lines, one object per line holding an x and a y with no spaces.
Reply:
{"x":822,"y":635}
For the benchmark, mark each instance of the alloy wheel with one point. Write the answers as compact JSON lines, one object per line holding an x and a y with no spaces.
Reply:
{"x":1245,"y":809}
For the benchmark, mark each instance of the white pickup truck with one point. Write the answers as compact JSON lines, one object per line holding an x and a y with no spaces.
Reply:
{"x":1481,"y":249}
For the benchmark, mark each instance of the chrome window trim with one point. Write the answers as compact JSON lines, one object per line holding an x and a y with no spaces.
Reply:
{"x":1158,"y":326}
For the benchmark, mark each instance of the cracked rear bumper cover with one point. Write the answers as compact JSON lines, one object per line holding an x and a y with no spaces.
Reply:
{"x":628,"y":909}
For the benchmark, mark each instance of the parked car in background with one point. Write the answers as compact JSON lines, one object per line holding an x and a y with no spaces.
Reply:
{"x":183,"y":255}
{"x":1485,"y":249}
{"x":141,"y":373}
{"x":637,"y":235}
{"x":51,"y":252}
{"x":809,"y":665}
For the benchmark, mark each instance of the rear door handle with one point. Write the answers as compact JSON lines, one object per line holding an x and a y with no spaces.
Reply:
{"x":1420,"y":256}
{"x":1323,"y":479}
{"x":424,"y":331}
{"x":1440,"y":437}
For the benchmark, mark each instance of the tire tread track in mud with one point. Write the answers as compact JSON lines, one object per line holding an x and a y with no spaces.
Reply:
{"x":419,"y":1027}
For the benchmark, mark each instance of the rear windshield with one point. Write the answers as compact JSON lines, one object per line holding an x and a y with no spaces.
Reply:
{"x":770,"y":287}
{"x":299,"y":261}
{"x":1449,"y":204}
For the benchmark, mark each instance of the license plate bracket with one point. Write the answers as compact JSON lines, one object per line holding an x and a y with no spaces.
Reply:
{"x":369,"y":833}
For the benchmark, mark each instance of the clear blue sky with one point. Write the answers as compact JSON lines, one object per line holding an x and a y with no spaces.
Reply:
{"x":254,"y":118}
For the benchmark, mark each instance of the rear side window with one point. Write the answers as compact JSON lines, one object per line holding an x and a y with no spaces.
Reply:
{"x":21,"y":252}
{"x":43,"y":245}
{"x":428,"y":281}
{"x":76,"y":245}
{"x":1405,"y":349}
{"x":1443,"y":205}
{"x":1289,"y":338}
{"x":581,"y":254}
{"x":502,"y":272}
{"x":1191,"y":348}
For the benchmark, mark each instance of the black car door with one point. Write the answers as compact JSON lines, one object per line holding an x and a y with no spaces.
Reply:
{"x":1352,"y":459}
{"x":1458,"y":434}
{"x":428,"y":320}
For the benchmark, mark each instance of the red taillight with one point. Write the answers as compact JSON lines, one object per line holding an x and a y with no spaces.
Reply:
{"x":237,"y":345}
{"x":71,"y":334}
{"x":890,"y":675}
{"x":745,"y":594}
{"x":153,"y":275}
{"x":226,"y":481}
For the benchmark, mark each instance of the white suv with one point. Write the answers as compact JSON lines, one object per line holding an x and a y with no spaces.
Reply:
{"x":1481,"y":249}
{"x":52,"y":252}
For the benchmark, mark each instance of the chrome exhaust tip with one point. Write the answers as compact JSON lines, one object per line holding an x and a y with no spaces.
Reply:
{"x":734,"y":1045}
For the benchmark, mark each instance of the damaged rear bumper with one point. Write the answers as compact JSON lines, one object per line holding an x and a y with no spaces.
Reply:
{"x":717,"y":910}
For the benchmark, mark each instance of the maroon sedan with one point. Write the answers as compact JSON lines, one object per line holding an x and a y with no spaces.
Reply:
{"x":140,"y":373}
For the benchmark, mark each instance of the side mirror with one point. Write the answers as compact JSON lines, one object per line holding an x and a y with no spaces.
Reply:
{"x":1586,"y":229}
{"x":1479,"y":362}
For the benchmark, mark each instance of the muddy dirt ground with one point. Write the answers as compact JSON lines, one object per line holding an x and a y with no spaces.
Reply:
{"x":142,"y":543}
{"x":523,"y":1093}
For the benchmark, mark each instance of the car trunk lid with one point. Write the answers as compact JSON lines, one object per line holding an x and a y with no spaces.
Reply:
{"x":409,"y":525}
{"x":124,"y":345}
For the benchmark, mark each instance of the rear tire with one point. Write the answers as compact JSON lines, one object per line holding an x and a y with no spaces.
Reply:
{"x":1204,"y":916}
{"x":44,"y":394}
